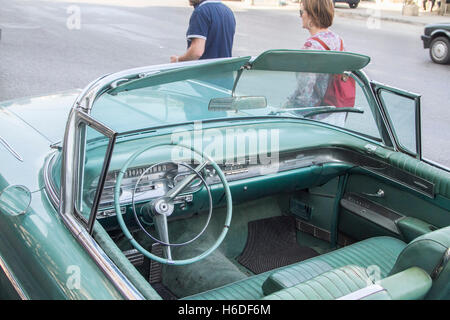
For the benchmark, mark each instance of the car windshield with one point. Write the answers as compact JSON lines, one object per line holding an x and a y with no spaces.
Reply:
{"x":228,"y":95}
{"x":148,"y":106}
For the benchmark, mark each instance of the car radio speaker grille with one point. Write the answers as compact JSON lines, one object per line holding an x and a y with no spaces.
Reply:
{"x":300,"y":209}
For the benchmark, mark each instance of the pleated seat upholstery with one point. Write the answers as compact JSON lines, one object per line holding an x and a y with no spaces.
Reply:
{"x":330,"y":285}
{"x":380,"y":253}
{"x":251,"y":288}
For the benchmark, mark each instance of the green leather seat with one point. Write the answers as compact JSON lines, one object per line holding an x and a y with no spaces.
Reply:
{"x":380,"y":254}
{"x":378,"y":251}
{"x":327,"y":286}
{"x":430,"y":252}
{"x":353,"y":283}
{"x":421,"y":270}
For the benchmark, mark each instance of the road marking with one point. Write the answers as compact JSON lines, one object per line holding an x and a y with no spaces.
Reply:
{"x":18,"y":26}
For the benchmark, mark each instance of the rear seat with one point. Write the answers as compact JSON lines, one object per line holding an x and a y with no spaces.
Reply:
{"x":378,"y":251}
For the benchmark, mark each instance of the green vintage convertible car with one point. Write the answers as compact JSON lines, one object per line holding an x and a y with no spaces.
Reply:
{"x":213,"y":180}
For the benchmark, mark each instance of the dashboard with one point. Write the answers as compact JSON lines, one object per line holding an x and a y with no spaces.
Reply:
{"x":155,"y":180}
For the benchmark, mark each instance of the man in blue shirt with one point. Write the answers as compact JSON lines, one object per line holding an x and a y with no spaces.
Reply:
{"x":210,"y":33}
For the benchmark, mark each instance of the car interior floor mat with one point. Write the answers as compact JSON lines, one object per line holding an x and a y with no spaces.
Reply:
{"x":154,"y":274}
{"x":272,"y":243}
{"x":164,"y":292}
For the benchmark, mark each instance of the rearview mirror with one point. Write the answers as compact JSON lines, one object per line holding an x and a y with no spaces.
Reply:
{"x":237,"y":103}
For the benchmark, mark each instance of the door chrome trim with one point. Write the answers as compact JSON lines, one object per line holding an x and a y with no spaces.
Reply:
{"x":49,"y":185}
{"x":122,"y":284}
{"x":95,"y":251}
{"x":12,"y":279}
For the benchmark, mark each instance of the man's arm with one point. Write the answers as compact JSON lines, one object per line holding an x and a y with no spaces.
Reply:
{"x":194,"y":52}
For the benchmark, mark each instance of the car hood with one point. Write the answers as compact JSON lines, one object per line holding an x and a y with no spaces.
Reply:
{"x":28,"y":127}
{"x":442,"y":25}
{"x":45,"y":114}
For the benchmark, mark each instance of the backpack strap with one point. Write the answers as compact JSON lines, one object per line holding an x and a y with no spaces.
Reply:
{"x":324,"y":45}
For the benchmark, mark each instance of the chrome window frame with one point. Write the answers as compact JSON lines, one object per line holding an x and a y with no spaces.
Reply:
{"x":73,"y":154}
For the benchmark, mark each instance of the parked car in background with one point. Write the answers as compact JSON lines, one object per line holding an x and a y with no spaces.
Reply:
{"x":436,"y":37}
{"x":351,"y":3}
{"x":201,"y":180}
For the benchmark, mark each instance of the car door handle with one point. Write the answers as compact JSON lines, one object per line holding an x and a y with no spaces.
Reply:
{"x":379,"y":194}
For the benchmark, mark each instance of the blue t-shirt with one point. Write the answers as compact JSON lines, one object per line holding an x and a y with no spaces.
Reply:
{"x":214,"y":22}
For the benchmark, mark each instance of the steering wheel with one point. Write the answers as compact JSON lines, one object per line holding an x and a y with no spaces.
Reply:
{"x":163,"y":207}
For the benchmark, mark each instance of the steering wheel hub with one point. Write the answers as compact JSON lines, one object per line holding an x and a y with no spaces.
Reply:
{"x":162,"y":206}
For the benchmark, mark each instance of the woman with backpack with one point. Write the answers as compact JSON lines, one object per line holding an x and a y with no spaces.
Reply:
{"x":317,"y":16}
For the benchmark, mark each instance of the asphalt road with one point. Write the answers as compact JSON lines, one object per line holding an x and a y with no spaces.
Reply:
{"x":42,"y":51}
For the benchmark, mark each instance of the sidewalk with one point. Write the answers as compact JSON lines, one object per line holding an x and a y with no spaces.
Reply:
{"x":390,"y":12}
{"x":367,"y":9}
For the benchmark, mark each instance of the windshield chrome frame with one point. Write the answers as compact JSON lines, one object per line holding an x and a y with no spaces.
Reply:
{"x":387,"y":135}
{"x":73,"y":155}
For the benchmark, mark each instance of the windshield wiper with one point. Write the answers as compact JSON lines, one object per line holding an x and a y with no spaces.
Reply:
{"x":284,"y":110}
{"x":333,"y":110}
{"x":312,"y":111}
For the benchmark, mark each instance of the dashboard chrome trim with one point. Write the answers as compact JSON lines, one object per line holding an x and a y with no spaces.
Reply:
{"x":304,"y":158}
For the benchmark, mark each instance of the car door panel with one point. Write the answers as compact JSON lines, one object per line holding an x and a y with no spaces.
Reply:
{"x":395,"y":211}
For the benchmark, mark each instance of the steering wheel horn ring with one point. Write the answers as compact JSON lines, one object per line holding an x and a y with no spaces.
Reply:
{"x":163,"y":207}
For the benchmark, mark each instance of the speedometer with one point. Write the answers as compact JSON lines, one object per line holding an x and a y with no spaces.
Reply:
{"x":154,"y":182}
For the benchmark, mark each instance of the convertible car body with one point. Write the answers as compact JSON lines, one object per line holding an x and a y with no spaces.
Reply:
{"x":220,"y":179}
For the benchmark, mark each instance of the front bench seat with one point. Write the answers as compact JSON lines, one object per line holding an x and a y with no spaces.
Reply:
{"x":329,"y":285}
{"x":379,"y":254}
{"x":426,"y":258}
{"x":430,"y":252}
{"x":380,"y":251}
{"x":353,"y":283}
